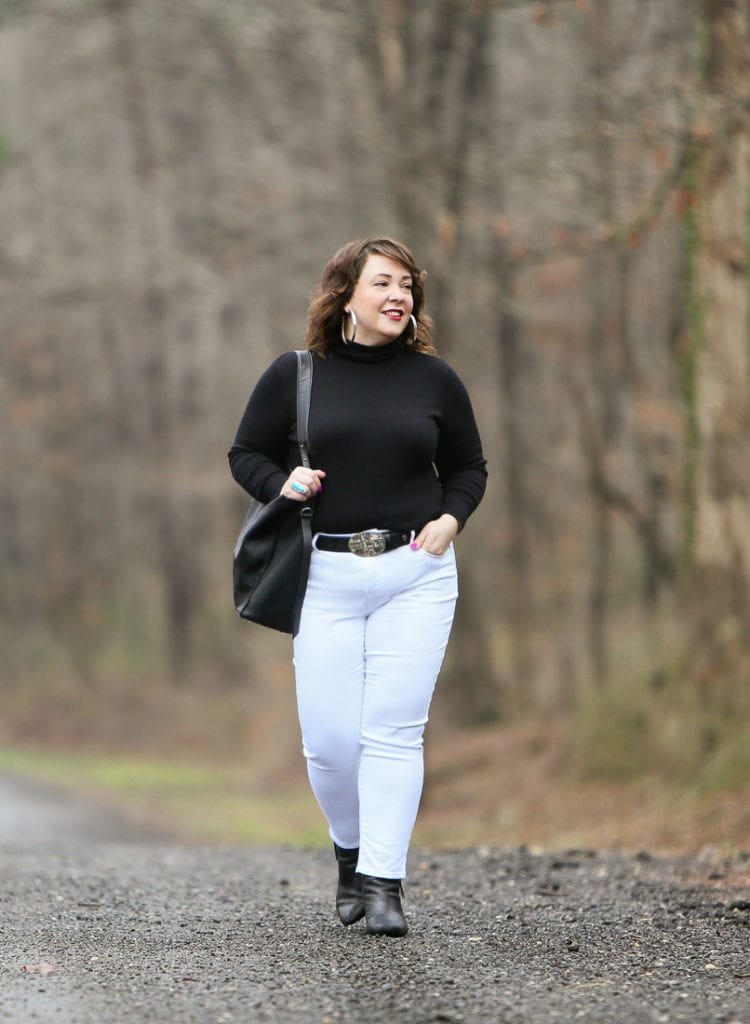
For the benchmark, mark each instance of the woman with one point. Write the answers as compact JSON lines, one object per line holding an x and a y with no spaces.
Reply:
{"x":397,"y":470}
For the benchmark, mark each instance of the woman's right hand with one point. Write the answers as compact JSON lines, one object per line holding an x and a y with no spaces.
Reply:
{"x":309,"y":479}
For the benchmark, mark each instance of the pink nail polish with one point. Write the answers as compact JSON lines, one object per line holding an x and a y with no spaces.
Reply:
{"x":414,"y":546}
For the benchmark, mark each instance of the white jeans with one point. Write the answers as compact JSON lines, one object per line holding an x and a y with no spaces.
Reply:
{"x":371,"y":642}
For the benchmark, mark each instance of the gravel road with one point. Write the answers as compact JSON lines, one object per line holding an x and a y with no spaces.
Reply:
{"x":142,"y":931}
{"x":33,"y":812}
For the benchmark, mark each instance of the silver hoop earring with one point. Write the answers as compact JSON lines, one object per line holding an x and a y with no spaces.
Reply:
{"x":414,"y":328}
{"x":353,"y":315}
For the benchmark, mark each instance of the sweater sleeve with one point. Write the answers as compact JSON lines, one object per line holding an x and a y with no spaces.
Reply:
{"x":460,"y":462}
{"x":258,"y":456}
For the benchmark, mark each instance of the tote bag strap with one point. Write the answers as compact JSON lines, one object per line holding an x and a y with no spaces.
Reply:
{"x":304,"y":390}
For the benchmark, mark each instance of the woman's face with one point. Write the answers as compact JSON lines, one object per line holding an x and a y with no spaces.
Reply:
{"x":382,"y":300}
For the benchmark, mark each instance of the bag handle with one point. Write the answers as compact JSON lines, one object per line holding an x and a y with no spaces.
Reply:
{"x":304,"y":390}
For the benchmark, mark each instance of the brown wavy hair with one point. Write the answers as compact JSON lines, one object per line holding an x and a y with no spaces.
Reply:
{"x":339,"y":279}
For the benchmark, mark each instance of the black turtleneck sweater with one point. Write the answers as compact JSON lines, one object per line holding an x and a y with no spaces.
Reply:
{"x":392,"y":428}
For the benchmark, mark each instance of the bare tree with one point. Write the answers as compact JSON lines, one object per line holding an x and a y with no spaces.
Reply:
{"x":171,"y":188}
{"x":721,"y":553}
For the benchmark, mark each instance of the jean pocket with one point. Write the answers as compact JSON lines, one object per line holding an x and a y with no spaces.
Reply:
{"x":437,"y":558}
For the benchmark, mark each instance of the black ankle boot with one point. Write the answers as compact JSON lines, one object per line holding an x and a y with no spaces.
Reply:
{"x":383,"y":906}
{"x":350,"y":902}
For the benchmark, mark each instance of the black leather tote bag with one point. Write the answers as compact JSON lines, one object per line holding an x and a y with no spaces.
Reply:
{"x":273,"y":549}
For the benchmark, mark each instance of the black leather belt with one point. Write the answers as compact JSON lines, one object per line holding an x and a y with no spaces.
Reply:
{"x":371,"y":542}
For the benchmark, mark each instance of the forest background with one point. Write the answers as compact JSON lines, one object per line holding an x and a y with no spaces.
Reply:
{"x":575,"y":176}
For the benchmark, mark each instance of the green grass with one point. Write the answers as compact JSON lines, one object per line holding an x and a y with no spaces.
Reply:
{"x":201,"y":803}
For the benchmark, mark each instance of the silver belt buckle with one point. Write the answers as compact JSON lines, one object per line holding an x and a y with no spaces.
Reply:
{"x":367,"y":544}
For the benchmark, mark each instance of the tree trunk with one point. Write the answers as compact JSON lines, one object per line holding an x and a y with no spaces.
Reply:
{"x":607,"y":278}
{"x":175,"y":543}
{"x":721,"y":556}
{"x":520,"y":609}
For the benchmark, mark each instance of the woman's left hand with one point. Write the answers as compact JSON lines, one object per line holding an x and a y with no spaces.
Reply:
{"x":437,"y":535}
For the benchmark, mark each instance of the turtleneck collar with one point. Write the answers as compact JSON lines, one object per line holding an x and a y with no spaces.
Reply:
{"x":367,"y":353}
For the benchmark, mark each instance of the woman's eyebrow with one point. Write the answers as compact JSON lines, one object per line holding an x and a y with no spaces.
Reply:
{"x":404,"y":277}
